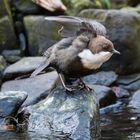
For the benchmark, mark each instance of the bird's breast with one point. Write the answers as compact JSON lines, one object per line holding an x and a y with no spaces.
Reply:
{"x":93,"y":61}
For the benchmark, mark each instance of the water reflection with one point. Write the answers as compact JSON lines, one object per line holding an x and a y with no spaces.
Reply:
{"x":122,"y":125}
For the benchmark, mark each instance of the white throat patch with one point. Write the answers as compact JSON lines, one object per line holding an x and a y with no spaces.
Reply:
{"x":93,"y":61}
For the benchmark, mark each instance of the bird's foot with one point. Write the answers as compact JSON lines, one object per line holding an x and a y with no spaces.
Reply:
{"x":82,"y":85}
{"x":85,"y":87}
{"x":69,"y":89}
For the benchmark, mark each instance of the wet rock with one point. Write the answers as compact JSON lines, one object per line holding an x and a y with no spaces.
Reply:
{"x":7,"y":33}
{"x":36,"y":87}
{"x":10,"y":102}
{"x":2,"y":64}
{"x":41,"y":33}
{"x":25,"y":66}
{"x":11,"y":56}
{"x":114,"y":108}
{"x":129,"y":82}
{"x":29,"y":7}
{"x":105,"y":95}
{"x":66,"y":115}
{"x":135,"y":101}
{"x":120,"y":92}
{"x":101,"y":78}
{"x":120,"y":25}
{"x":26,"y":7}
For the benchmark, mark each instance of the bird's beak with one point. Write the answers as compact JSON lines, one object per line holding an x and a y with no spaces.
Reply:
{"x":115,"y":51}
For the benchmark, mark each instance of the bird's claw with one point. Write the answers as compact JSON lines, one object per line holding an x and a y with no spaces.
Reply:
{"x":69,"y":89}
{"x":84,"y":86}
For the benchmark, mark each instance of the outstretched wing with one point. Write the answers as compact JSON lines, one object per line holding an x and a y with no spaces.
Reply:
{"x":75,"y":25}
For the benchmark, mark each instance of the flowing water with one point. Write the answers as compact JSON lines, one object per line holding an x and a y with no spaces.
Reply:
{"x":123,"y":124}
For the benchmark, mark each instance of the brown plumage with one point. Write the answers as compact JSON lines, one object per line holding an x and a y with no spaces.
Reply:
{"x":80,"y":55}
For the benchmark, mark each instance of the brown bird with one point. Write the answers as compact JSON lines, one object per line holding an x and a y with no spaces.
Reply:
{"x":80,"y":55}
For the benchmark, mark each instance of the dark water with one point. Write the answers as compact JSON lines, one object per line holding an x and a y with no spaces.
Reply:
{"x":123,"y":124}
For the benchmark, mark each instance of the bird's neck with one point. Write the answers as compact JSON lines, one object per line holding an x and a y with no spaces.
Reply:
{"x":93,"y":61}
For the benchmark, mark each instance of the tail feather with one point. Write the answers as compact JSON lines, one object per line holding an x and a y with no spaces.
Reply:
{"x":41,"y":67}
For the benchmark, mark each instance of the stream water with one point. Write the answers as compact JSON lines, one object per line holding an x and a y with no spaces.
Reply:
{"x":123,"y":124}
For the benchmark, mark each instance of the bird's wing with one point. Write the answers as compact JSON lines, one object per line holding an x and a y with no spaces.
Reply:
{"x":41,"y":67}
{"x":75,"y":25}
{"x":62,"y":44}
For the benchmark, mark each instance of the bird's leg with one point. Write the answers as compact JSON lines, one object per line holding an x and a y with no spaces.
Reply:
{"x":63,"y":83}
{"x":83,"y":85}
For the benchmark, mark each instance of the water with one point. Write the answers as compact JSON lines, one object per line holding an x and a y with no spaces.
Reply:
{"x":123,"y":124}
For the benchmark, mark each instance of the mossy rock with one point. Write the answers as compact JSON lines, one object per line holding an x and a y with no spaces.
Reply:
{"x":41,"y":34}
{"x":25,"y":6}
{"x":7,"y":33}
{"x":8,"y":38}
{"x":132,"y":9}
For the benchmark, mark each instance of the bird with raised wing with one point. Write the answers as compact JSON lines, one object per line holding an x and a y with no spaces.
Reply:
{"x":80,"y":54}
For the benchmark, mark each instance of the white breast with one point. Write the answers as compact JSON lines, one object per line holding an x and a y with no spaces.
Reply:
{"x":93,"y":61}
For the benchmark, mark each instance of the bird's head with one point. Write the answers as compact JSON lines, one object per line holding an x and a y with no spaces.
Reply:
{"x":102,"y":44}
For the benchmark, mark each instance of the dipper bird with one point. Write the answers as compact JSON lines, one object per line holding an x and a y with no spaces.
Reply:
{"x":80,"y":54}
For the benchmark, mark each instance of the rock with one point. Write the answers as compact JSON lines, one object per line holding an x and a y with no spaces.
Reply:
{"x":101,"y":78}
{"x":4,"y":8}
{"x":7,"y":33}
{"x":10,"y":102}
{"x":129,"y":82}
{"x":2,"y":64}
{"x":120,"y":25}
{"x":26,"y":7}
{"x":66,"y":115}
{"x":41,"y":33}
{"x":132,"y":9}
{"x":36,"y":87}
{"x":2,"y":67}
{"x":55,"y":5}
{"x":25,"y":66}
{"x":105,"y":95}
{"x":114,"y":108}
{"x":11,"y":56}
{"x":120,"y":92}
{"x":135,"y":101}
